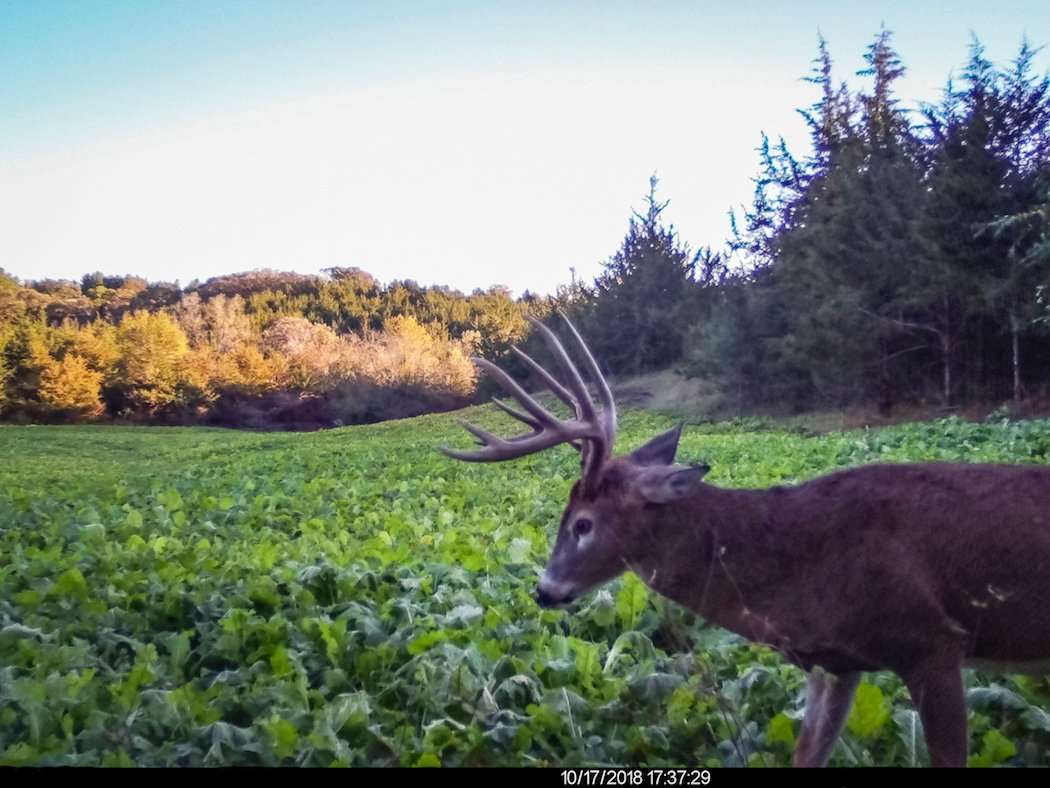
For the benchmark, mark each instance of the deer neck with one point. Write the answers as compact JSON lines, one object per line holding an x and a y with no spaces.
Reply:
{"x":711,"y":553}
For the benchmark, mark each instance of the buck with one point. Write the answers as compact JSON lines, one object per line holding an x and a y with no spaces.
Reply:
{"x":919,"y":569}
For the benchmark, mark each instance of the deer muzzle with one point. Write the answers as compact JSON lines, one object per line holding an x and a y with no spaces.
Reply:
{"x":551,"y":593}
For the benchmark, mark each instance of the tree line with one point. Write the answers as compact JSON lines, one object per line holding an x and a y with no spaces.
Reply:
{"x":903,"y":259}
{"x":258,"y":349}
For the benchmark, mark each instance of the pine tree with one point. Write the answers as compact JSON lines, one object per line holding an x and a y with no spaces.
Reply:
{"x":779,"y":187}
{"x":883,"y":121}
{"x":1022,"y":289}
{"x":831,"y":118}
{"x":636,"y":306}
{"x":845,"y":243}
{"x":1022,"y":142}
{"x":986,"y":141}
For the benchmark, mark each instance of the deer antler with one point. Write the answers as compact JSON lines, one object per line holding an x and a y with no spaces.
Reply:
{"x":592,"y":431}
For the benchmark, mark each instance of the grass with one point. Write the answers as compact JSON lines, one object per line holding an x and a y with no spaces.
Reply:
{"x":58,"y":456}
{"x":185,"y":596}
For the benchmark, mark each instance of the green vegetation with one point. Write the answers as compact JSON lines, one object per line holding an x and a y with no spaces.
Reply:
{"x":193,"y":596}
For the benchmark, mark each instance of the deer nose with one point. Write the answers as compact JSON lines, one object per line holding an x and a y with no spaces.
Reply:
{"x":543,"y":599}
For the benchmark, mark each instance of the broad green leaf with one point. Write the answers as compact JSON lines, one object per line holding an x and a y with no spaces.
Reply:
{"x":781,"y":730}
{"x":870,"y":712}
{"x":279,"y":662}
{"x":631,"y":601}
{"x":71,"y":583}
{"x":680,"y":702}
{"x":284,"y":735}
{"x":995,"y":749}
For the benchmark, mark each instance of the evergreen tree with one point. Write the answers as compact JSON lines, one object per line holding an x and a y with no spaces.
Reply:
{"x":844,"y":244}
{"x":1022,"y":288}
{"x":636,"y":310}
{"x":831,"y":118}
{"x":1021,"y":141}
{"x":778,"y":190}
{"x":963,"y":190}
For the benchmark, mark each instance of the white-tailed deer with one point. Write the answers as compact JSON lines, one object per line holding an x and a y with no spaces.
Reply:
{"x":919,"y":569}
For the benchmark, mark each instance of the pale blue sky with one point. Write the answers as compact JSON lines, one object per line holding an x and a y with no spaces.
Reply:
{"x":451,"y":142}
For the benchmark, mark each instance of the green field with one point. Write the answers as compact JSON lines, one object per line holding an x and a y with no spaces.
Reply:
{"x":352,"y":597}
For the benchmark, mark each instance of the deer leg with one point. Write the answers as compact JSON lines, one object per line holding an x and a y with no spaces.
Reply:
{"x":936,"y":689}
{"x":828,"y":701}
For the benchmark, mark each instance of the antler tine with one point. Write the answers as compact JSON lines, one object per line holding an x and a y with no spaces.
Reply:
{"x":579,"y":388}
{"x":604,"y":392}
{"x":599,"y":448}
{"x":517,"y":414}
{"x":507,"y":382}
{"x":536,"y":426}
{"x":557,"y":388}
{"x":485,"y":438}
{"x":496,"y":449}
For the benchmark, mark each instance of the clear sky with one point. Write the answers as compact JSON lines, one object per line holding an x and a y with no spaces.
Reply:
{"x":464,"y":143}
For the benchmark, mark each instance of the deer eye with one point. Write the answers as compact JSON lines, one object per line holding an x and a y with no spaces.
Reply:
{"x":582,"y":527}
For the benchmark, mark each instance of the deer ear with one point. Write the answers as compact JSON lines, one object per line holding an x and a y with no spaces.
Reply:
{"x":660,"y":450}
{"x":667,"y":483}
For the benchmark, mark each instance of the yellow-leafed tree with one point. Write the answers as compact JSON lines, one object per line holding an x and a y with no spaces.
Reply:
{"x":70,"y":388}
{"x":96,"y":343}
{"x":150,"y":370}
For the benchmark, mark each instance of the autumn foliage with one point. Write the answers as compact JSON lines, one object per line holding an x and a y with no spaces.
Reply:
{"x":261,"y":349}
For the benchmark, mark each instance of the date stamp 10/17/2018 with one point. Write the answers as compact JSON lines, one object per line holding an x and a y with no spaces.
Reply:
{"x":635,"y":778}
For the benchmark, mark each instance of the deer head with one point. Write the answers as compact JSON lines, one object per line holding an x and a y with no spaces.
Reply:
{"x":598,"y":538}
